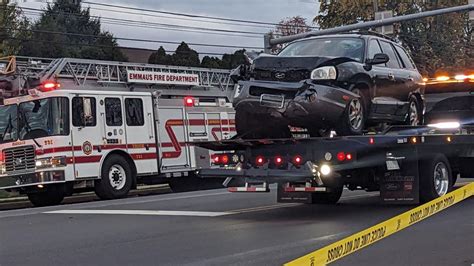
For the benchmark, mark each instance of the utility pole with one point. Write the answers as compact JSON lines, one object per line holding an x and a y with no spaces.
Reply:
{"x":376,"y":6}
{"x":370,"y":24}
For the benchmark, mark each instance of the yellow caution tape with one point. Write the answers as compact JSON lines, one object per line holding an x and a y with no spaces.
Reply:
{"x":382,"y":230}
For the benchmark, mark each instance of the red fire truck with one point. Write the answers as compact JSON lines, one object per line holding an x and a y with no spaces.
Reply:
{"x":69,"y":124}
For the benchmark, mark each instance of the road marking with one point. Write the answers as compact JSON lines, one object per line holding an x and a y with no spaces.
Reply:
{"x":142,"y":212}
{"x":264,"y":208}
{"x":362,"y":239}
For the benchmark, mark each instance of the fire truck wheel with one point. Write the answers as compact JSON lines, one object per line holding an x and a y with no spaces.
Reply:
{"x":331,"y":197}
{"x":54,"y":195}
{"x":435,"y":178}
{"x":116,"y":178}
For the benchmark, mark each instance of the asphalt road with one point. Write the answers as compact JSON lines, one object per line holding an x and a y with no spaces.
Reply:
{"x":220,"y":228}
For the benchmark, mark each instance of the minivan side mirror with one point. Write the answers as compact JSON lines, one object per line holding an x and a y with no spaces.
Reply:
{"x":378,"y":59}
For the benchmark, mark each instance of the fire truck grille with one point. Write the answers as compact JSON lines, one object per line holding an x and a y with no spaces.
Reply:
{"x":19,"y":159}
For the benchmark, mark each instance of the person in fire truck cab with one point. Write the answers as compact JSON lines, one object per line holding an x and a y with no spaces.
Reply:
{"x":34,"y":119}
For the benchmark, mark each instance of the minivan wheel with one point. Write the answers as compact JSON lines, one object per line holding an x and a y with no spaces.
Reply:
{"x":354,"y":117}
{"x":414,"y":116}
{"x":436,"y":178}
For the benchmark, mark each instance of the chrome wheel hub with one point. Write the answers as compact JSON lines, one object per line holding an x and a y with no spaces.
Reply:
{"x":441,"y":178}
{"x":355,"y":114}
{"x":117,"y":176}
{"x":414,"y":117}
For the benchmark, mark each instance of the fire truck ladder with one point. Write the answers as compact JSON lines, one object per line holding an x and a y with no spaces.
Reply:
{"x":96,"y":74}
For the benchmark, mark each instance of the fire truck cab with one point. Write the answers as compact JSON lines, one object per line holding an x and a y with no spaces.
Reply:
{"x":76,"y":124}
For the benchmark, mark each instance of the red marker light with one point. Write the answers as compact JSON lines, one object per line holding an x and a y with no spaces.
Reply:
{"x":348,"y":156}
{"x":189,"y":101}
{"x":260,"y":160}
{"x":216,"y":158}
{"x":341,"y":156}
{"x":49,"y":86}
{"x":278,"y":160}
{"x":1,"y":156}
{"x":297,"y":160}
{"x":224,"y":159}
{"x":371,"y":141}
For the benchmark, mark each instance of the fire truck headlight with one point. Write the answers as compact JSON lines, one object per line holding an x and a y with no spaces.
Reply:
{"x":51,"y":162}
{"x":325,"y":169}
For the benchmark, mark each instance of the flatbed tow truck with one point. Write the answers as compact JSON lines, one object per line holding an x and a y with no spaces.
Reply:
{"x":407,"y":164}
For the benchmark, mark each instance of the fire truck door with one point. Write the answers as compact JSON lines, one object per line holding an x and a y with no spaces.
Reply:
{"x":197,"y":131}
{"x":86,"y":136}
{"x":219,"y":127}
{"x":140,"y":132}
{"x":172,"y":138}
{"x":112,"y":122}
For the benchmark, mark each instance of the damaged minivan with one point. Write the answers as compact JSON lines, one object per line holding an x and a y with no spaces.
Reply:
{"x":343,"y":82}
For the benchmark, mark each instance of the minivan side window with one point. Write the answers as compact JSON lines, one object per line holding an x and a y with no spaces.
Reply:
{"x":388,"y":50}
{"x":79,"y":118}
{"x":134,"y":112}
{"x":374,"y":48}
{"x":406,"y":59}
{"x":113,"y":112}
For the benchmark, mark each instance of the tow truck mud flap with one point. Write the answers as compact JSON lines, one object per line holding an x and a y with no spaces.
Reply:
{"x":292,"y":197}
{"x":400,"y":182}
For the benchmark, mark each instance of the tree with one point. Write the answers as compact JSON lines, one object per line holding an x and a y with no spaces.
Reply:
{"x":185,"y":56}
{"x":211,"y":62}
{"x":13,"y":29}
{"x":160,"y":57}
{"x":230,"y":61}
{"x":436,"y":43}
{"x":75,"y":24}
{"x":289,"y":26}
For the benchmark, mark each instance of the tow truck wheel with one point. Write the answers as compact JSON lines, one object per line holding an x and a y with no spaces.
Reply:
{"x":116,"y":178}
{"x":331,"y":197}
{"x":354,"y":117}
{"x":435,"y":178}
{"x":53,"y":195}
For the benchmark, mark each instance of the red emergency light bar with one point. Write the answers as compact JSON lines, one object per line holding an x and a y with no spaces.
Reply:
{"x":49,"y":86}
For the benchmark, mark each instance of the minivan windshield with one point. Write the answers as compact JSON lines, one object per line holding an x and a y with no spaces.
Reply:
{"x":327,"y":47}
{"x":34,"y":119}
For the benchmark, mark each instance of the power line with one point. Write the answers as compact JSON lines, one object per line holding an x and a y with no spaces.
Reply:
{"x":160,"y":28}
{"x":101,"y":46}
{"x":132,"y":39}
{"x":157,"y":24}
{"x":180,"y":18}
{"x":182,"y":14}
{"x":142,"y":25}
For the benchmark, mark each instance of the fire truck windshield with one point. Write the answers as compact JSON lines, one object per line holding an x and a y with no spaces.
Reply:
{"x":43,"y":118}
{"x":34,"y":119}
{"x":8,"y":123}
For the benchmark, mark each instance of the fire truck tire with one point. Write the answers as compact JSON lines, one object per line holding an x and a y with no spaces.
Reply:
{"x":116,"y":178}
{"x":54,"y":195}
{"x":436,"y":178}
{"x":331,"y":197}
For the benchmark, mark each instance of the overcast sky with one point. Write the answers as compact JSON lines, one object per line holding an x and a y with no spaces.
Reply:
{"x":256,"y":10}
